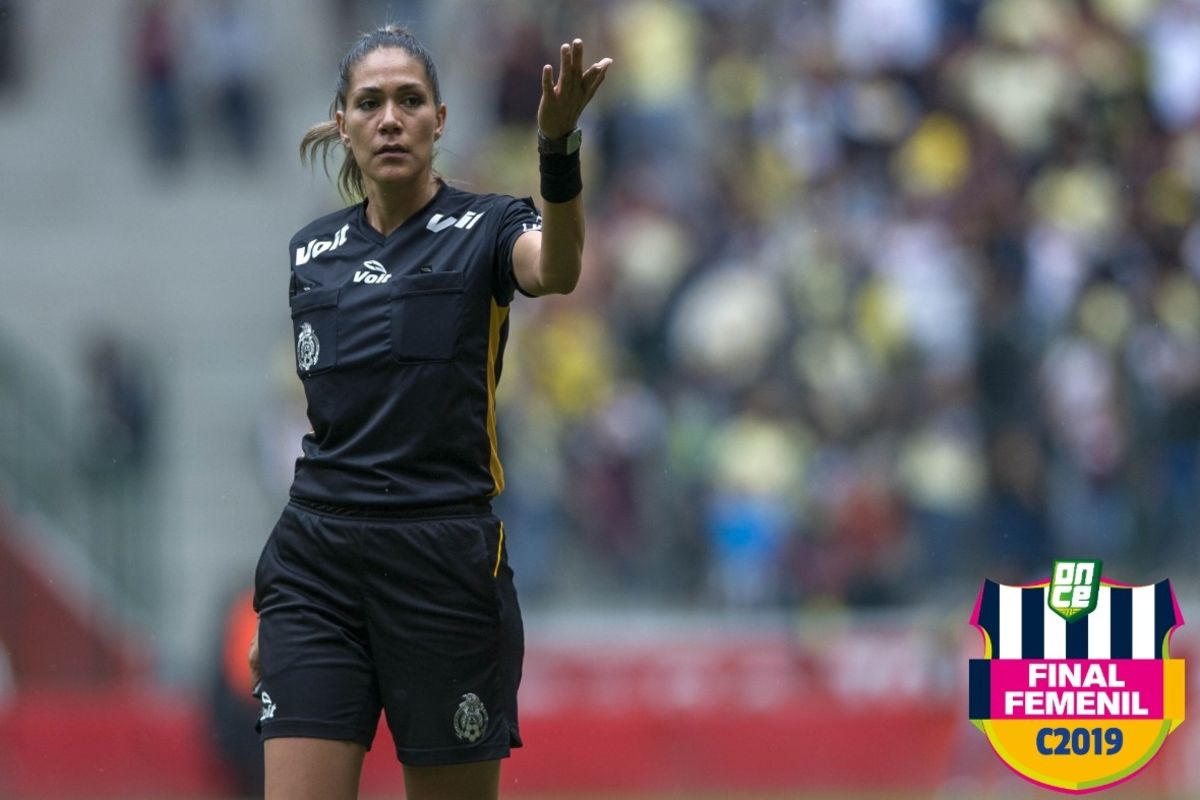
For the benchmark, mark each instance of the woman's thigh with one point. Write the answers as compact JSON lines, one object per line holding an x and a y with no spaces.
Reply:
{"x":479,"y":780}
{"x":312,"y":769}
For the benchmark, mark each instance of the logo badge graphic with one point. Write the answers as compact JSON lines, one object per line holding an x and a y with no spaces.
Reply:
{"x":439,"y":222}
{"x":316,"y":247}
{"x":471,"y":719}
{"x":268,"y":708}
{"x":1074,"y":588}
{"x":1076,"y":690}
{"x":308,"y":347}
{"x":373,"y":272}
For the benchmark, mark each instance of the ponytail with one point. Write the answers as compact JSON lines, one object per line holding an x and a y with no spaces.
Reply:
{"x":317,"y":142}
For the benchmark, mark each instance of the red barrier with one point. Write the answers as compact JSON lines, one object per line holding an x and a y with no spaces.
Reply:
{"x":793,"y":749}
{"x":118,"y":743}
{"x":856,"y":710}
{"x":52,"y":633}
{"x":684,"y":713}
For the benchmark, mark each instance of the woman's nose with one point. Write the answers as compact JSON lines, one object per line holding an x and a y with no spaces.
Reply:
{"x":391,"y":117}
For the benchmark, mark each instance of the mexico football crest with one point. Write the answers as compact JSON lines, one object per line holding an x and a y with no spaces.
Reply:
{"x":471,"y":719}
{"x":308,"y":347}
{"x":1076,"y":690}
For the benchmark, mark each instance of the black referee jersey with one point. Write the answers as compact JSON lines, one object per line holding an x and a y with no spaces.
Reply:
{"x":399,"y":344}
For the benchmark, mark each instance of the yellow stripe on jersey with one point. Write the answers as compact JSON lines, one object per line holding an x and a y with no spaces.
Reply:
{"x":498,"y":317}
{"x":500,"y":549}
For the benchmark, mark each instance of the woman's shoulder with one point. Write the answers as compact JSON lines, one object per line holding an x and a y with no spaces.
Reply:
{"x":460,"y":196}
{"x":335,"y":223}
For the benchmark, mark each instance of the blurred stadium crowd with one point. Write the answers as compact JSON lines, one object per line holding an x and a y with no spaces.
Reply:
{"x":879,"y":294}
{"x":880,"y":297}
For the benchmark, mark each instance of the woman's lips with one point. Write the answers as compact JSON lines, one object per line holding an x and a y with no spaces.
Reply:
{"x":392,"y":151}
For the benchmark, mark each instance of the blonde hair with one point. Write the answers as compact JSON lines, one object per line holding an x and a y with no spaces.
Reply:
{"x":324,"y":135}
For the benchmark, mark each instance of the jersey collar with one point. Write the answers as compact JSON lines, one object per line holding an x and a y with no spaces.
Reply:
{"x":369,"y":233}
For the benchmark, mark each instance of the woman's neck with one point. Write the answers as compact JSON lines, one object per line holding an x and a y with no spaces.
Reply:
{"x":387,"y":209}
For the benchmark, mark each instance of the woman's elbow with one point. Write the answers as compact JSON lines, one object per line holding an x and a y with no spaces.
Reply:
{"x":562,"y":278}
{"x":559,"y":285}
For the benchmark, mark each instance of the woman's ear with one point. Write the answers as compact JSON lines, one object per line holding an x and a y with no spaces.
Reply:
{"x":340,"y":119}
{"x":441,"y":122}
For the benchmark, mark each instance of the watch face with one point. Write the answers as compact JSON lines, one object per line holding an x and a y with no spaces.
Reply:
{"x":564,"y":146}
{"x":574,"y":139}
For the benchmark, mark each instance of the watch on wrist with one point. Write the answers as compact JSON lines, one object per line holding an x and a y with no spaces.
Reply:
{"x":567,"y":145}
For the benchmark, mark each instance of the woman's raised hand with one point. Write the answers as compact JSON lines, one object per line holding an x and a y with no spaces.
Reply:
{"x":563,"y":101}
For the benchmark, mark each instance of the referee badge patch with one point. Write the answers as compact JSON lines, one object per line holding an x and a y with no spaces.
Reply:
{"x":471,"y":719}
{"x":1076,"y":690}
{"x":308,"y":347}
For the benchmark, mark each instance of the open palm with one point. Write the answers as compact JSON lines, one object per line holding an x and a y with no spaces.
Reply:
{"x":563,"y":101}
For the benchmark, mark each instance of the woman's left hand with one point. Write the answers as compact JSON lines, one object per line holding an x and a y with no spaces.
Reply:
{"x":564,"y":101}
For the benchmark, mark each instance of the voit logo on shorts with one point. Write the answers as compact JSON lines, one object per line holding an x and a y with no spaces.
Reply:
{"x":1076,"y":690}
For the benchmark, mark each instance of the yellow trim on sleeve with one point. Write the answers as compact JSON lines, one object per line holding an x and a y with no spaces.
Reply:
{"x":498,"y":316}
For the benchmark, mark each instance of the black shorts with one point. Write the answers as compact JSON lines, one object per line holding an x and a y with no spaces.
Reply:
{"x":415,"y":616}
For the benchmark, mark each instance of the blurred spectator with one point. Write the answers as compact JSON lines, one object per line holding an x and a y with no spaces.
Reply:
{"x":157,"y":56}
{"x":1019,"y":544}
{"x":518,"y":97}
{"x":942,"y":472}
{"x":8,"y":682}
{"x":615,"y":456}
{"x":10,"y":49}
{"x":923,"y":270}
{"x":232,"y":51}
{"x":118,"y":459}
{"x":1013,"y":77}
{"x":1088,"y":473}
{"x":658,"y":44}
{"x":757,"y":465}
{"x":1175,"y":63}
{"x":234,"y":708}
{"x":1164,"y":360}
{"x":534,"y":513}
{"x":727,"y":325}
{"x":121,"y":413}
{"x":872,"y":35}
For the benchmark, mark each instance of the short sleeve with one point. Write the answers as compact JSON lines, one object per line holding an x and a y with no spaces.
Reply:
{"x":294,"y":285}
{"x":518,"y":215}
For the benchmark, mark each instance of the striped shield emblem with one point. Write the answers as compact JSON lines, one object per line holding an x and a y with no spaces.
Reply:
{"x":1076,"y":701}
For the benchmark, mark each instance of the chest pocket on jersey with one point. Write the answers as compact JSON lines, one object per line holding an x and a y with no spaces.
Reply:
{"x":314,"y":330}
{"x":426,"y":314}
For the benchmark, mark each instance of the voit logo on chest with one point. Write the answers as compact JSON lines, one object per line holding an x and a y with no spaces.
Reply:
{"x":316,"y":247}
{"x":372,"y":272}
{"x":439,"y":222}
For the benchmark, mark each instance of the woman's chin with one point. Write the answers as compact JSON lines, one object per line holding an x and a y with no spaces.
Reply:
{"x":395,"y":175}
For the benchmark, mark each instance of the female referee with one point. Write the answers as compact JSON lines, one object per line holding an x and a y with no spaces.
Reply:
{"x":384,"y":585}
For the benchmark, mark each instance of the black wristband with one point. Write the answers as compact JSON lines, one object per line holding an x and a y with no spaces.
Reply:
{"x":561,"y":179}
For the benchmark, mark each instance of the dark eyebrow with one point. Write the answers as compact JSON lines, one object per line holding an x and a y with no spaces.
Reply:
{"x":403,"y":87}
